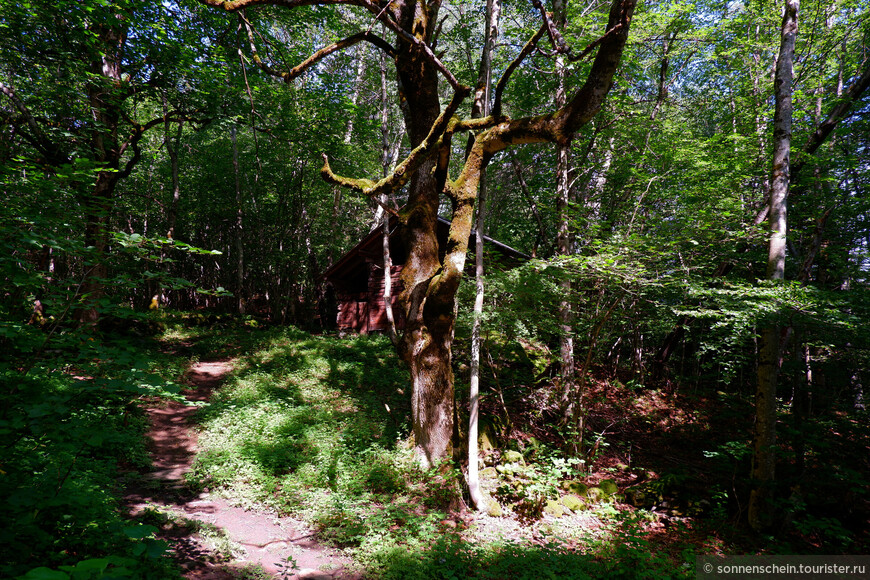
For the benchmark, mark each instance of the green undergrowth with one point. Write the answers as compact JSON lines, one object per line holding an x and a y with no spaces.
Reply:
{"x":318,"y":427}
{"x":72,"y":422}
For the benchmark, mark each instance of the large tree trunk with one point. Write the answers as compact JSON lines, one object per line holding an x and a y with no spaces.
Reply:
{"x":430,"y":282}
{"x":764,"y":456}
{"x":428,"y":294}
{"x":105,"y":109}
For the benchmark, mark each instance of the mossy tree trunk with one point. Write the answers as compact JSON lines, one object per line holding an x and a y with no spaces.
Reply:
{"x":431,"y":277}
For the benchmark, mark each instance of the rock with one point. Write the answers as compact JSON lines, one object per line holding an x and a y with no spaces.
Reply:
{"x":595,"y":494}
{"x":554,"y":508}
{"x":573,"y":502}
{"x":492,"y":507}
{"x":488,"y":473}
{"x":609,"y":487}
{"x":513,"y":457}
{"x":486,"y":440}
{"x":311,"y":574}
{"x":575,"y":487}
{"x":637,"y":498}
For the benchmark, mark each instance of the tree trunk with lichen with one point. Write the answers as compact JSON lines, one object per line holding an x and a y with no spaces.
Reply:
{"x":105,"y":109}
{"x":429,"y":280}
{"x":427,"y":298}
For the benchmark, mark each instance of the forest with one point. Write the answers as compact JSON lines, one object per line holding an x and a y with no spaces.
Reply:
{"x":497,"y":289}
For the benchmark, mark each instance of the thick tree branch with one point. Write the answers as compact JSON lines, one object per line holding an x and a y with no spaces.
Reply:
{"x":380,"y":14}
{"x":402,"y":172}
{"x":408,"y":37}
{"x":836,"y":115}
{"x":38,"y":139}
{"x":588,"y":100}
{"x":555,"y":37}
{"x":558,"y":41}
{"x":235,"y":5}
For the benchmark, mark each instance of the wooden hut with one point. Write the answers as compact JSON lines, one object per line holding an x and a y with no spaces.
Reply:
{"x":357,"y":278}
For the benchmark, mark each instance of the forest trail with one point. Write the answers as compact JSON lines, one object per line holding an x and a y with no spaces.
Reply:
{"x":255,"y":537}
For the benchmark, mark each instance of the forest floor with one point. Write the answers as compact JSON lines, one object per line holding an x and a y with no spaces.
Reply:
{"x":293,"y":462}
{"x":211,"y":538}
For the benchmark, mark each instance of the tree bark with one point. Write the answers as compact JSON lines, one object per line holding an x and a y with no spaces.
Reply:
{"x":239,"y":241}
{"x":764,"y":453}
{"x":429,"y":281}
{"x":428,"y":293}
{"x":480,"y":109}
{"x":105,"y":109}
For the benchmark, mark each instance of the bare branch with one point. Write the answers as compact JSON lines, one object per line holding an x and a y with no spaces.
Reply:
{"x":555,"y":38}
{"x":502,"y":82}
{"x":592,"y":45}
{"x":837,"y":114}
{"x":297,"y":70}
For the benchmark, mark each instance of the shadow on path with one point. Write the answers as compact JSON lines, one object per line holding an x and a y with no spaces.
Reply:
{"x":248,"y":538}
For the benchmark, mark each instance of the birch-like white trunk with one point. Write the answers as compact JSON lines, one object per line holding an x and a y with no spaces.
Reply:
{"x":764,"y":457}
{"x":481,"y":106}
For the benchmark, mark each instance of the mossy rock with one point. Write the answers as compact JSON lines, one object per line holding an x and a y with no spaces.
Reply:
{"x":492,"y":507}
{"x":513,"y":457}
{"x":575,"y":487}
{"x":488,"y":473}
{"x":596,"y":494}
{"x":507,"y":469}
{"x":487,"y":439}
{"x":573,"y":502}
{"x":638,"y":498}
{"x":609,"y":487}
{"x":554,"y":508}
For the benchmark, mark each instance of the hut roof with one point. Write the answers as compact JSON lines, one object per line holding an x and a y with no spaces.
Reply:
{"x":370,"y":250}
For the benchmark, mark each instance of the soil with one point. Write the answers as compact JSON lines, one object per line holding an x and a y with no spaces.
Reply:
{"x":250,"y":538}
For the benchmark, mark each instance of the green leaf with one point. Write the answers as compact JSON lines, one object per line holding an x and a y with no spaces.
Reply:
{"x":44,"y":573}
{"x":139,"y":532}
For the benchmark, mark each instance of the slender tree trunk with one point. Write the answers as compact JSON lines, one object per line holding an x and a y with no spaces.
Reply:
{"x":240,"y":255}
{"x":358,"y":83}
{"x":764,"y":456}
{"x":570,"y":397}
{"x":480,"y":109}
{"x":172,"y":210}
{"x":533,"y":206}
{"x":386,"y":162}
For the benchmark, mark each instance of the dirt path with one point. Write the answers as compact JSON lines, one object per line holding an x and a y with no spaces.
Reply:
{"x":253,"y":538}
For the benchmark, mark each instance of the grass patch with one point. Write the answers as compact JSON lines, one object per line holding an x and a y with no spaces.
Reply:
{"x":317,"y":427}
